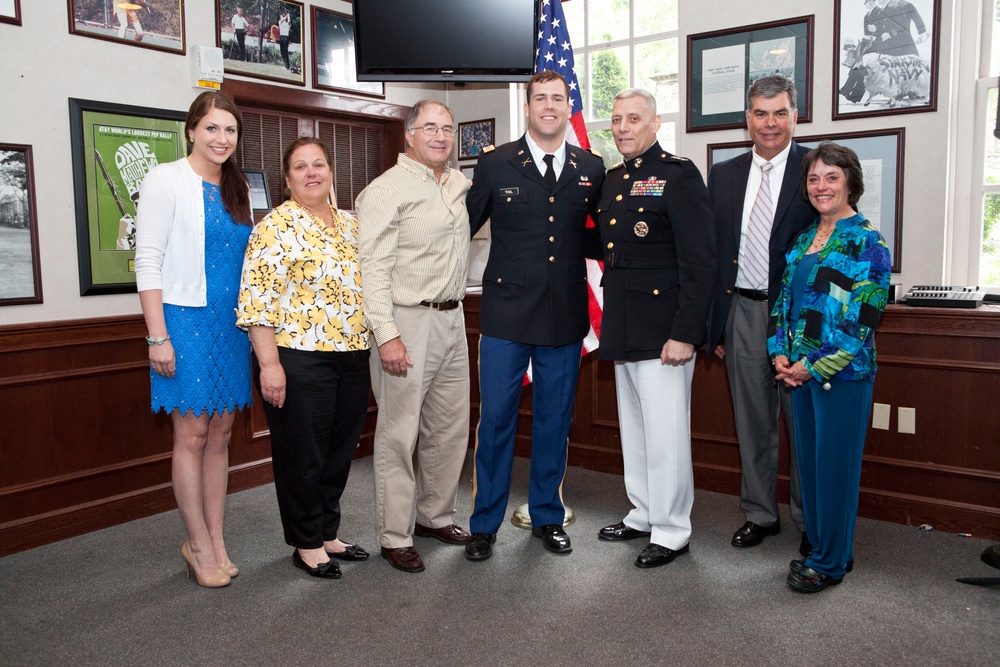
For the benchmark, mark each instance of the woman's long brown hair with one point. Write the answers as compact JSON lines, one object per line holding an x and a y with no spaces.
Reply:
{"x":234,"y":184}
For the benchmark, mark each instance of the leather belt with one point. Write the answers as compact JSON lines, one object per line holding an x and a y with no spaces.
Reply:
{"x":441,"y":305}
{"x":754,"y":294}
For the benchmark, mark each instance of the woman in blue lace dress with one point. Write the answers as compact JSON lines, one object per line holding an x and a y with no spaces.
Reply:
{"x":191,"y":233}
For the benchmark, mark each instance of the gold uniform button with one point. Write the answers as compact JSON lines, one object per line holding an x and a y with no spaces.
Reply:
{"x":613,"y":221}
{"x":499,"y":280}
{"x":610,"y":246}
{"x":552,"y":239}
{"x":625,"y":177}
{"x":641,"y":209}
{"x":508,"y":200}
{"x":551,"y":199}
{"x":656,"y":292}
{"x":729,"y":291}
{"x":735,"y":262}
{"x":552,"y":218}
{"x":552,"y":259}
{"x":618,"y":198}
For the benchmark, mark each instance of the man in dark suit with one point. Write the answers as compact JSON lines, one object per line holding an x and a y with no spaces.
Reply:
{"x":537,"y":192}
{"x":658,"y":247}
{"x":758,"y":210}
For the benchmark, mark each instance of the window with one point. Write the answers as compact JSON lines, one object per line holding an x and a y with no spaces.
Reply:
{"x":985,"y":195}
{"x":621,"y":44}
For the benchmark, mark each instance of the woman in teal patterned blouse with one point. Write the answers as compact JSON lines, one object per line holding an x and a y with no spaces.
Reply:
{"x":822,"y":342}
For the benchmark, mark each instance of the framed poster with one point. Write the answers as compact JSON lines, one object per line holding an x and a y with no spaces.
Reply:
{"x":474,"y":136}
{"x":885,"y":57}
{"x":334,"y":67}
{"x":723,"y":64}
{"x":262,"y":39}
{"x":10,"y":11}
{"x":22,"y":276}
{"x":114,"y":147}
{"x":150,"y":24}
{"x":260,"y":196}
{"x":881,"y":156}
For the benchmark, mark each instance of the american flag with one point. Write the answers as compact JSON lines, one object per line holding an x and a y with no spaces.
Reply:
{"x":554,"y":52}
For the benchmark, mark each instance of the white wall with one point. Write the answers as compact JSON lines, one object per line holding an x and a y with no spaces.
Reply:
{"x":45,"y":66}
{"x":926,"y":153}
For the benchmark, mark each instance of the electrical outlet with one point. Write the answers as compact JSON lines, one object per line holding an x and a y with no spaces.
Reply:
{"x":907,"y":420}
{"x":880,"y":416}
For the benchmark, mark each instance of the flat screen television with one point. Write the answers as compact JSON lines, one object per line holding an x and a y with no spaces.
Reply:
{"x":445,"y":40}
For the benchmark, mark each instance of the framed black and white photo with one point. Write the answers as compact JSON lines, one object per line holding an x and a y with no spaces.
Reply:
{"x":10,"y":11}
{"x":22,"y":276}
{"x":722,"y":65}
{"x":885,"y":57}
{"x":262,"y":39}
{"x":334,"y":66}
{"x":151,"y":24}
{"x":260,"y":194}
{"x":474,"y":136}
{"x":881,"y":156}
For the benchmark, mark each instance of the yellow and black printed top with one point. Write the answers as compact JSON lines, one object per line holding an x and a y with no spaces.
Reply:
{"x":303,"y":278}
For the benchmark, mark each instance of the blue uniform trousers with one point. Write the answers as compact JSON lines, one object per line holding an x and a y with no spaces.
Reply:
{"x":502,"y":365}
{"x":830,"y":429}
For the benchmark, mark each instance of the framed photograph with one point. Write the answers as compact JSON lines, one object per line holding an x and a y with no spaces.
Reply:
{"x":114,"y":147}
{"x":150,"y":24}
{"x":723,"y":64}
{"x":333,"y":62}
{"x":262,"y":39}
{"x":474,"y":136}
{"x":881,"y":156}
{"x":10,"y":11}
{"x":22,"y":276}
{"x":885,"y":57}
{"x":260,"y":196}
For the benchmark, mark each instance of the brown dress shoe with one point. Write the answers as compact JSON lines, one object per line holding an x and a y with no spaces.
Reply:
{"x":405,"y":558}
{"x":448,"y":534}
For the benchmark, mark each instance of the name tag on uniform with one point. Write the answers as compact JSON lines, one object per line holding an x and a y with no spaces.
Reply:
{"x":509,"y":192}
{"x":648,"y":188}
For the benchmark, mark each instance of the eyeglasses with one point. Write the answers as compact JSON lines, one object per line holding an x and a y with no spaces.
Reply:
{"x":431,"y":130}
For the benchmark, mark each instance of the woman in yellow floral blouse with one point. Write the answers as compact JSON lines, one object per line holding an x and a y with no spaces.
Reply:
{"x":300,"y":300}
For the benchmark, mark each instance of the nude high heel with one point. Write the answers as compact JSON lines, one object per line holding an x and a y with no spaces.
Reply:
{"x":230,"y":569}
{"x":217,"y":579}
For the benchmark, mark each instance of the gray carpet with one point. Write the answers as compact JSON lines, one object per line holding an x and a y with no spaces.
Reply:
{"x":119,"y":597}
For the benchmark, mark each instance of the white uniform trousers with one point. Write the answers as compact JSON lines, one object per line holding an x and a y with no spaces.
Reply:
{"x":654,"y":415}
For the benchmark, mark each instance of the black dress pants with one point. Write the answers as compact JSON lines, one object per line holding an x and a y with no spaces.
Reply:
{"x":313,"y":437}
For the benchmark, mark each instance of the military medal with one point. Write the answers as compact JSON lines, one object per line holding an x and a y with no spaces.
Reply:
{"x":641,"y":229}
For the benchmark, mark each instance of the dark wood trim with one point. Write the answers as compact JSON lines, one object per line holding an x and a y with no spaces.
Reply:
{"x":279,"y":98}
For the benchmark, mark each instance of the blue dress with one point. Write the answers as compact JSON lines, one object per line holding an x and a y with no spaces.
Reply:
{"x":213,"y":355}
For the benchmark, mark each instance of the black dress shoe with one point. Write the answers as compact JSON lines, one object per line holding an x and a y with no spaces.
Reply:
{"x":799,"y":565}
{"x":620,"y":532}
{"x":655,"y":555}
{"x":480,"y":546}
{"x":554,"y":538}
{"x":805,"y":546}
{"x":808,"y":580}
{"x":352,"y":552}
{"x":750,"y":534}
{"x":327,"y":570}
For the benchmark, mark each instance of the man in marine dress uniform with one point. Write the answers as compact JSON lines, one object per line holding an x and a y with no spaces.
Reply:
{"x":658,"y":246}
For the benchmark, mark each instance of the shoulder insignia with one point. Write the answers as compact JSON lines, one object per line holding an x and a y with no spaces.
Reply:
{"x":594,"y":153}
{"x":489,"y":148}
{"x":617,"y":165}
{"x":679,"y":158}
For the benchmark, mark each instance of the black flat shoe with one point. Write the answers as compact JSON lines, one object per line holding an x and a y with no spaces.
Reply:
{"x":327,"y":570}
{"x":554,"y":538}
{"x":805,"y":546}
{"x":799,"y":565}
{"x":480,"y":546}
{"x":620,"y":532}
{"x":352,"y":552}
{"x":655,"y":555}
{"x":808,"y":580}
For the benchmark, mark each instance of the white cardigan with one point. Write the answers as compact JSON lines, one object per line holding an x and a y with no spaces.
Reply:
{"x":170,"y":235}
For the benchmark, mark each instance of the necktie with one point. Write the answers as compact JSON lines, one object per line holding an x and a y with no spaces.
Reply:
{"x":550,"y":172}
{"x":755,"y":258}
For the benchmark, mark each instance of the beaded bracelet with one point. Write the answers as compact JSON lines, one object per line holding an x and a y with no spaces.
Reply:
{"x":156,"y":341}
